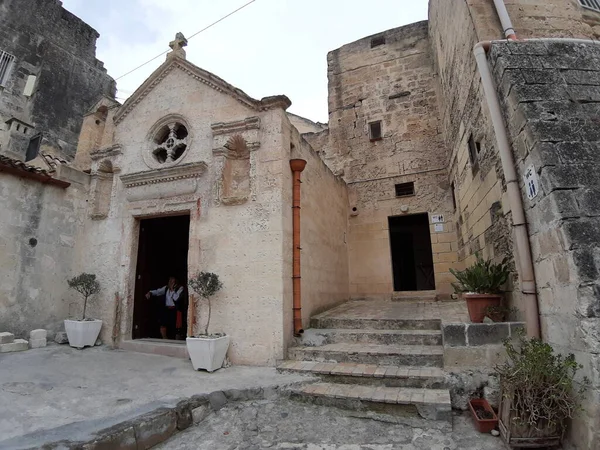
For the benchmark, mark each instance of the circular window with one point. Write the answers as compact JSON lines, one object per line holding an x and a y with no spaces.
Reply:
{"x":170,"y":142}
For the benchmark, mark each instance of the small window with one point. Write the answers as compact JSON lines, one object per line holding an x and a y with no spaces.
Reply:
{"x":380,"y":40}
{"x":405,"y":189}
{"x":594,"y":5}
{"x":474,"y":149}
{"x":375,"y":131}
{"x":6,"y":63}
{"x":453,"y":189}
{"x":34,"y":148}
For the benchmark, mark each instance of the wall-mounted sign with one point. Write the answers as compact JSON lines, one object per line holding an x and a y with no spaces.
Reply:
{"x":437,"y":218}
{"x":531,"y":182}
{"x":438,"y":227}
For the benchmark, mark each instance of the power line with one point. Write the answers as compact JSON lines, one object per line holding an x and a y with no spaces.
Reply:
{"x":195,"y":34}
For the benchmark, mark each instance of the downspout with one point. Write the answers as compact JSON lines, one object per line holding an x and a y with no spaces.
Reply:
{"x":528,"y":286}
{"x":297,"y":166}
{"x":507,"y":26}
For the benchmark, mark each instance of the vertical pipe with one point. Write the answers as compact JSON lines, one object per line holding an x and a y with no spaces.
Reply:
{"x":528,"y":286}
{"x":507,"y":26}
{"x":297,"y":166}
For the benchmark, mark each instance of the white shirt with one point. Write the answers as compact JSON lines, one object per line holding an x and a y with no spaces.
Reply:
{"x":171,"y":296}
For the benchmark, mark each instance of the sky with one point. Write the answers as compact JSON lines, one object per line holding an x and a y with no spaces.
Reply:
{"x":270,"y":47}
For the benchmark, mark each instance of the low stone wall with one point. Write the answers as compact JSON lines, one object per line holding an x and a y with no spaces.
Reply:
{"x":476,"y":344}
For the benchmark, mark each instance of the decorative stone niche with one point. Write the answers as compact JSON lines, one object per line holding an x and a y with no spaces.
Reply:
{"x":102,"y":190}
{"x":234,"y":165}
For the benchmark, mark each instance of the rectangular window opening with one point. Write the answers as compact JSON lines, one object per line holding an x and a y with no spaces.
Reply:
{"x":33,"y":149}
{"x":375,"y":131}
{"x":6,"y":63}
{"x":594,"y":5}
{"x":405,"y":189}
{"x":453,"y":189}
{"x":377,"y":41}
{"x":474,"y":150}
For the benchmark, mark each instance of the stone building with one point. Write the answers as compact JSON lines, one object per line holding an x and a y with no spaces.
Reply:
{"x":49,"y":78}
{"x":408,"y":179}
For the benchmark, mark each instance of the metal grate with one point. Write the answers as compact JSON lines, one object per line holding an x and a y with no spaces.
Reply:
{"x":591,"y":4}
{"x":6,"y":63}
{"x":405,"y":189}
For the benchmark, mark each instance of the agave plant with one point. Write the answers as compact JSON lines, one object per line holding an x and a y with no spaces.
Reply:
{"x":483,"y":277}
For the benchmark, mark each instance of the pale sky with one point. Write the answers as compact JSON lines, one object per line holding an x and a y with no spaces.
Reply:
{"x":270,"y":47}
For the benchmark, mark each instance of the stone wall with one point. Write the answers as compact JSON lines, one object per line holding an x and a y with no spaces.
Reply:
{"x":58,"y":48}
{"x":393,"y":83}
{"x":324,"y":229}
{"x":551,"y":95}
{"x":38,"y":232}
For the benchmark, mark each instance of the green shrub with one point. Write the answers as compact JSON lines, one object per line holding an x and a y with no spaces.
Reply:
{"x":483,"y":277}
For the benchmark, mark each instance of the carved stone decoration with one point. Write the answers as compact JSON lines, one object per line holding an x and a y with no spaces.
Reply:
{"x":169,"y":140}
{"x":236,"y":172}
{"x":102,"y":190}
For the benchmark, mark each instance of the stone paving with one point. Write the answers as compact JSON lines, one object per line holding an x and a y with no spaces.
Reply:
{"x":455,"y":311}
{"x":281,"y":424}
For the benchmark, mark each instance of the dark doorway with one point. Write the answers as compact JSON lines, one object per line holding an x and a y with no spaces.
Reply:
{"x":412,"y":260}
{"x":162,"y":252}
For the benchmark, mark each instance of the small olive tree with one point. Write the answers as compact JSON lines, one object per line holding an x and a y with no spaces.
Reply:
{"x":206,"y":284}
{"x":87,"y":285}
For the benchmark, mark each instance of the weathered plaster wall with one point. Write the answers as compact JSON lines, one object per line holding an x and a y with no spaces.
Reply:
{"x":324,"y":228}
{"x":242,"y":242}
{"x":59,"y":49}
{"x":392,"y":83}
{"x":38,"y":231}
{"x":551,"y":95}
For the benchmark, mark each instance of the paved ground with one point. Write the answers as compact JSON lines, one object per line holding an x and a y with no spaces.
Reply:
{"x":283,"y":424}
{"x":94,"y":388}
{"x":455,"y":311}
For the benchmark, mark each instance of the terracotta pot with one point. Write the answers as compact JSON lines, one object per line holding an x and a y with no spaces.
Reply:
{"x":477,"y":304}
{"x":483,"y":425}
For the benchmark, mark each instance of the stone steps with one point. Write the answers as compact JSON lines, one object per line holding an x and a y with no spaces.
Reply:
{"x":386,"y":355}
{"x":369,"y":374}
{"x":388,"y":337}
{"x":165,"y":347}
{"x":412,"y":296}
{"x":374,"y":324}
{"x":398,"y":402}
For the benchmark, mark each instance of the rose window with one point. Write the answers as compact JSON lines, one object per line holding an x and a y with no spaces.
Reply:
{"x":171,"y":140}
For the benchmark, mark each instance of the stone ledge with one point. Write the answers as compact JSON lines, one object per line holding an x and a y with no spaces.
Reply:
{"x":478,"y":334}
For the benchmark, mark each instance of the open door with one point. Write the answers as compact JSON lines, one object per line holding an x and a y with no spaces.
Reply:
{"x":162,"y":253}
{"x":412,"y":258}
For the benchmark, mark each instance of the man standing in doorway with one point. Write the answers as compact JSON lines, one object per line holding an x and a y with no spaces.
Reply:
{"x":168,"y":313}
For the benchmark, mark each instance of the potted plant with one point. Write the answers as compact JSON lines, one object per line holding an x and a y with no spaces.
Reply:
{"x":484,"y":416}
{"x":481,"y":286}
{"x":207,"y":351}
{"x":83,"y":332}
{"x":539,"y":393}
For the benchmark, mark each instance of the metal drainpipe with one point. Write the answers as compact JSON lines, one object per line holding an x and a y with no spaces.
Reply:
{"x":297,"y":166}
{"x":507,"y":26}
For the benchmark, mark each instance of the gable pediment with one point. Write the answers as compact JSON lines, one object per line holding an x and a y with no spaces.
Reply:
{"x":203,"y":76}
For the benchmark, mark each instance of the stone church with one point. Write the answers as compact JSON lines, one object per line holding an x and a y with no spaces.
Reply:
{"x":432,"y":153}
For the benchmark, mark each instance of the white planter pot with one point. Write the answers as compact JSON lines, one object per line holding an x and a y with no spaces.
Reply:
{"x":207,"y":353}
{"x":82,"y":333}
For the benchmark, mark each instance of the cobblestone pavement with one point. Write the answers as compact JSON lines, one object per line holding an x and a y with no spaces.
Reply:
{"x":282,"y":424}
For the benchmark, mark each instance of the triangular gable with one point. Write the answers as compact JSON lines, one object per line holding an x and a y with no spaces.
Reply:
{"x":176,"y":63}
{"x":104,"y":100}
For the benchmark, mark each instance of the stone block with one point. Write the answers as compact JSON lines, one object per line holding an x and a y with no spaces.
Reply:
{"x":61,"y":337}
{"x":453,"y":334}
{"x":38,"y":334}
{"x":17,"y":346}
{"x":37,"y":343}
{"x":6,"y":338}
{"x":217,"y":400}
{"x":487,"y":333}
{"x":155,"y":427}
{"x":200,"y":413}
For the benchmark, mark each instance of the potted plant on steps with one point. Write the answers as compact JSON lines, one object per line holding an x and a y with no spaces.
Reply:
{"x":481,"y":285}
{"x":84,"y":332}
{"x":207,"y":351}
{"x":539,"y":394}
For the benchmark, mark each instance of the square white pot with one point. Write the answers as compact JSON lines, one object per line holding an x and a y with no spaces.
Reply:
{"x":207,"y":353}
{"x":82,"y":333}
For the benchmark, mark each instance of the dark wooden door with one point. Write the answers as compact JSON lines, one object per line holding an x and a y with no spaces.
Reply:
{"x":143,"y":311}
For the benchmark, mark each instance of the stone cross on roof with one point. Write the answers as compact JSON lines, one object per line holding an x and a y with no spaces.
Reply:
{"x":177,"y":46}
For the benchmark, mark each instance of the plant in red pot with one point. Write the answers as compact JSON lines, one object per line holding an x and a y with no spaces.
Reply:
{"x":481,"y":286}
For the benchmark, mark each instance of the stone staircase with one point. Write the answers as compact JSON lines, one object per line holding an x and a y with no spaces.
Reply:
{"x":391,"y":368}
